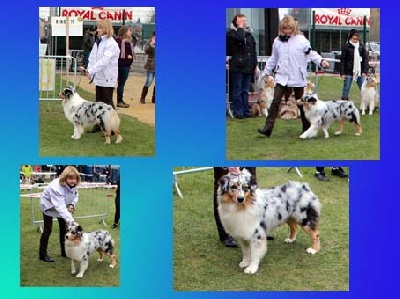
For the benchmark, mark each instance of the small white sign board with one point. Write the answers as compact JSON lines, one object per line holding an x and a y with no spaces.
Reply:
{"x":59,"y":26}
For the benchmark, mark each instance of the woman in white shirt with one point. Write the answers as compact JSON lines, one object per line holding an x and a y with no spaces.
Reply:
{"x":291,"y":53}
{"x":103,"y":64}
{"x":58,"y":200}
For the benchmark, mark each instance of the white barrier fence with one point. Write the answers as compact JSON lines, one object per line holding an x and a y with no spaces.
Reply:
{"x":93,"y":201}
{"x":185,"y":171}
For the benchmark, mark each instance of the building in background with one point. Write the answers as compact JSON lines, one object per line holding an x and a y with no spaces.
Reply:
{"x":327,"y":34}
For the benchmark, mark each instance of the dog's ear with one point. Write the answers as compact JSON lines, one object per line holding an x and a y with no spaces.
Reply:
{"x":223,"y":183}
{"x":69,"y":91}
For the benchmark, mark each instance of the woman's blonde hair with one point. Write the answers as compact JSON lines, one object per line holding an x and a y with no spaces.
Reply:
{"x":106,"y":26}
{"x":289,"y":21}
{"x":69,"y":172}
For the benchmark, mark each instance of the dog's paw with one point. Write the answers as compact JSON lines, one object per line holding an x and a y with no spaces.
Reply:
{"x":311,"y":250}
{"x":357,"y":134}
{"x":99,"y":260}
{"x":112,"y":266}
{"x":244,"y":264}
{"x":303,"y":136}
{"x":288,"y":240}
{"x":73,"y":272}
{"x":79,"y":275}
{"x":251,"y":269}
{"x":119,"y":139}
{"x":338,"y":132}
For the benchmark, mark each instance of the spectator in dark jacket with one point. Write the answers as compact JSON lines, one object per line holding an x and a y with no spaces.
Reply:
{"x":126,"y":56}
{"x":241,"y":48}
{"x":353,"y":63}
{"x":87,"y":45}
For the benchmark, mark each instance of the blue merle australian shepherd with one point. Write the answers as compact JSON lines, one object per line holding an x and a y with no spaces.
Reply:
{"x":82,"y":113}
{"x":322,"y":114}
{"x":249,"y":214}
{"x":79,"y":246}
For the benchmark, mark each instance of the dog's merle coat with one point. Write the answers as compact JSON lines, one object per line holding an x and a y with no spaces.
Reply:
{"x":249,"y":214}
{"x":79,"y":246}
{"x":322,"y":114}
{"x":82,"y":113}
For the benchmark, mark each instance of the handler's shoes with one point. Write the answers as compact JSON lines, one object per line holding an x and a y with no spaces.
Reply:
{"x":339,"y":172}
{"x":264,"y":131}
{"x":229,"y":242}
{"x":122,"y":105}
{"x":46,"y":258}
{"x":321,"y":176}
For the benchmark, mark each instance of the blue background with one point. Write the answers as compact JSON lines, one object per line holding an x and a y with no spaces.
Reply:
{"x":189,"y":132}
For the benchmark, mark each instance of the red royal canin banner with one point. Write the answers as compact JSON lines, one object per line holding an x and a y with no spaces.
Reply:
{"x":98,"y":13}
{"x":351,"y":17}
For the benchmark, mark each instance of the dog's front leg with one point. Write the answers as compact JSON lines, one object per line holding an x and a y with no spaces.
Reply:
{"x":311,"y":132}
{"x":371,"y":107}
{"x":245,"y":246}
{"x":84,"y":266}
{"x":258,"y":249}
{"x":73,"y":270}
{"x":77,"y":131}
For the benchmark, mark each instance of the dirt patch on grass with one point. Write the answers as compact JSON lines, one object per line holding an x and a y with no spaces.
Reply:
{"x":145,"y":113}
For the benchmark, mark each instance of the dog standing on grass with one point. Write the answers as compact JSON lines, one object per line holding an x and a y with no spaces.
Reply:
{"x":79,"y":246}
{"x":322,"y":114}
{"x":368,"y":95}
{"x":82,"y":113}
{"x":250,"y":214}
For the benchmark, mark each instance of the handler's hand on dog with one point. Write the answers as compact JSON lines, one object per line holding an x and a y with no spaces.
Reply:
{"x":325,"y":64}
{"x":70,"y":208}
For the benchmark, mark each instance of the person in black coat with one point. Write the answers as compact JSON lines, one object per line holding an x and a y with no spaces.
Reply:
{"x":241,"y":49}
{"x":353,"y":63}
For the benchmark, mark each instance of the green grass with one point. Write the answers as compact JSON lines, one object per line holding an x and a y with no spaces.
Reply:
{"x":59,"y":273}
{"x":245,"y":143}
{"x":56,"y":131}
{"x":201,"y":262}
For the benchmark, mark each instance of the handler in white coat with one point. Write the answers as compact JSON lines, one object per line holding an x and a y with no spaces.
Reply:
{"x":58,"y":200}
{"x":291,"y":53}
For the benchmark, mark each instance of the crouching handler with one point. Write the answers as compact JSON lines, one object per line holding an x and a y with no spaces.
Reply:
{"x":58,"y":200}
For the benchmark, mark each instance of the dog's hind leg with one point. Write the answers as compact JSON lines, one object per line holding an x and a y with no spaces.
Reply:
{"x":113,"y":260}
{"x":107,"y":136}
{"x":119,"y":136}
{"x":341,"y":127}
{"x":293,"y":230}
{"x":314,"y":234}
{"x":101,"y":253}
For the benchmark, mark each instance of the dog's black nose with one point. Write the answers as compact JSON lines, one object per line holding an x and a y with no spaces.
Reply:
{"x":240,"y":199}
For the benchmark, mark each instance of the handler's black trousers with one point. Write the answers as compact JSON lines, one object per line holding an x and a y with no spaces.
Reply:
{"x":47,"y":228}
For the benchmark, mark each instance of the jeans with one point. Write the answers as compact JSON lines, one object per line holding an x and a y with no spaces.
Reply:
{"x":123,"y":74}
{"x":150,"y":78}
{"x":348,"y":80}
{"x":240,"y":85}
{"x":86,"y":58}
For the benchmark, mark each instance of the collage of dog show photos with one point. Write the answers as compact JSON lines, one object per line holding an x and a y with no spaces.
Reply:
{"x":287,"y":119}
